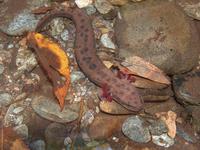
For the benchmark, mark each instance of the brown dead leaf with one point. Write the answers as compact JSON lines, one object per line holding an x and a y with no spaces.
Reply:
{"x":170,"y":120}
{"x":54,"y":61}
{"x":142,"y":68}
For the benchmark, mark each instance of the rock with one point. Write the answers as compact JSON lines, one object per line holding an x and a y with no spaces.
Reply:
{"x":37,"y":145}
{"x":20,"y":19}
{"x":169,"y":118}
{"x":149,"y":95}
{"x":135,"y":129}
{"x":22,"y":131}
{"x":192,"y":10}
{"x":18,"y":110}
{"x":113,"y":108}
{"x":1,"y":69}
{"x":57,"y":27}
{"x":107,"y":42}
{"x":118,"y":2}
{"x":83,"y":3}
{"x":157,"y":127}
{"x":180,"y":132}
{"x":147,"y":84}
{"x":25,"y":61}
{"x":90,"y":9}
{"x":166,"y":39}
{"x":163,"y":140}
{"x":5,"y":99}
{"x":171,"y":104}
{"x":55,"y":134}
{"x":103,"y":6}
{"x":76,"y":75}
{"x":104,"y":126}
{"x":65,"y":35}
{"x":186,"y":88}
{"x":49,"y":108}
{"x":87,"y":118}
{"x":194,"y":112}
{"x":105,"y":146}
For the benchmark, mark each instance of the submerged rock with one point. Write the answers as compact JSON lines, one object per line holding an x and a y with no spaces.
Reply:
{"x":50,"y":109}
{"x":166,"y":39}
{"x":186,"y":87}
{"x":135,"y":129}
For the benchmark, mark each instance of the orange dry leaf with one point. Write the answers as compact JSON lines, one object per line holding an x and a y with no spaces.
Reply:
{"x":54,"y":61}
{"x":142,"y":68}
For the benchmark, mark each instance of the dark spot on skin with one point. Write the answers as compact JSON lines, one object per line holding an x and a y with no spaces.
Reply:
{"x":86,"y":30}
{"x":79,"y":14}
{"x":92,"y":66}
{"x":82,"y":26}
{"x":133,"y":93}
{"x":82,"y":20}
{"x":81,"y":34}
{"x":86,"y":49}
{"x":87,"y":59}
{"x":114,"y":80}
{"x":85,"y":39}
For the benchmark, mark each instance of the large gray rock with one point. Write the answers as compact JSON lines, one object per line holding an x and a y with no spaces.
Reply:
{"x":159,"y":32}
{"x":16,"y":17}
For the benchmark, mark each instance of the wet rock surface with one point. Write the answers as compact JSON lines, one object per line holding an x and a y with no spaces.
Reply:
{"x":18,"y":20}
{"x":135,"y":129}
{"x":144,"y":32}
{"x":28,"y":105}
{"x":186,"y":88}
{"x":48,"y":109}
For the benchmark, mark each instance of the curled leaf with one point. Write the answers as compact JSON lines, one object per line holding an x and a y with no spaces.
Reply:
{"x":54,"y":61}
{"x":142,"y":68}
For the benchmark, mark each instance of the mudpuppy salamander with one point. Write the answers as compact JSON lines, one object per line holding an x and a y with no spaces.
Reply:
{"x":121,"y":90}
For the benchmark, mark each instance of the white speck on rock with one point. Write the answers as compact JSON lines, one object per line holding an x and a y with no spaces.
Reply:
{"x":107,"y":42}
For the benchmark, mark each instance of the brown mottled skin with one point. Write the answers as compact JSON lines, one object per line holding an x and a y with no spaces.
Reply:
{"x":121,"y":90}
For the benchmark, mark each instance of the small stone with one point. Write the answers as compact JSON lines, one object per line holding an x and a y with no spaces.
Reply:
{"x":76,"y":75}
{"x":67,"y":141}
{"x":135,"y":129}
{"x":65,"y":35}
{"x":18,"y":120}
{"x":107,"y":42}
{"x":10,"y":46}
{"x":50,"y":109}
{"x":37,"y":145}
{"x":83,"y":3}
{"x":57,"y":27}
{"x":90,"y":9}
{"x":18,"y":110}
{"x":104,"y":126}
{"x":5,"y":99}
{"x":21,"y":23}
{"x":163,"y":140}
{"x":55,"y":134}
{"x":103,"y":6}
{"x":113,"y":108}
{"x":105,"y":146}
{"x":157,"y":127}
{"x":1,"y":69}
{"x":87,"y":118}
{"x":25,"y":60}
{"x":22,"y":131}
